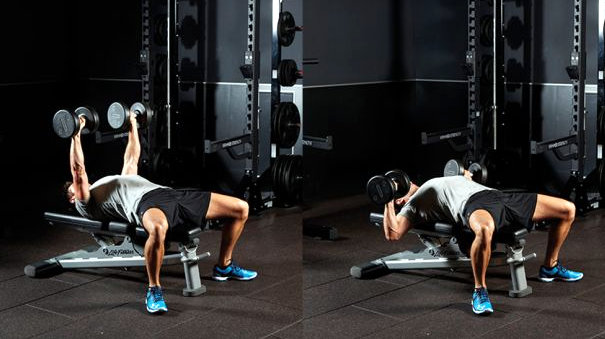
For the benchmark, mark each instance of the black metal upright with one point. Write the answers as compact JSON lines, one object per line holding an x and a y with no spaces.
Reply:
{"x":578,"y":61}
{"x":252,"y":58}
{"x":475,"y":116}
{"x":485,"y":63}
{"x":275,"y":55}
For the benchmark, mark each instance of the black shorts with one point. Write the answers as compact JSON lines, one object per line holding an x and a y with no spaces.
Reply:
{"x":505,"y":208}
{"x":183,"y":208}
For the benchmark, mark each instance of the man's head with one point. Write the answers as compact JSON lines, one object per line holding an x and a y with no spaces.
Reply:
{"x":68,"y":190}
{"x":403,"y":200}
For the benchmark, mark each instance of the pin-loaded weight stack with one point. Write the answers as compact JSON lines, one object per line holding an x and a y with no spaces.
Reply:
{"x":455,"y":167}
{"x":67,"y":124}
{"x":288,"y":73}
{"x":286,"y":28}
{"x":118,"y":115}
{"x":286,"y":124}
{"x":392,"y":185}
{"x":287,"y":175}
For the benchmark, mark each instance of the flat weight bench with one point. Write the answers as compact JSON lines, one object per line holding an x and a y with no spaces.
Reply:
{"x":443,"y":243}
{"x":121,"y":245}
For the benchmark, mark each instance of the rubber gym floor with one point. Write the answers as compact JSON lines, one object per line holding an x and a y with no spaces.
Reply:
{"x":110,"y":302}
{"x":436,"y":303}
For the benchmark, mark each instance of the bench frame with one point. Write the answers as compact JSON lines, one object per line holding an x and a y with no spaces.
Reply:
{"x":116,"y":247}
{"x":442,"y":250}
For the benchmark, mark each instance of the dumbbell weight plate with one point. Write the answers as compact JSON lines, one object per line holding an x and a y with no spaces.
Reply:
{"x":143,"y":112}
{"x":453,"y":167}
{"x":92,"y":119}
{"x":402,"y":180}
{"x":117,"y":115}
{"x":479,"y":172}
{"x":65,"y":124}
{"x":380,"y":189}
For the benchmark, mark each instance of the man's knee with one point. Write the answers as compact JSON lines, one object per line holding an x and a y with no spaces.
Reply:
{"x":484,"y":231}
{"x":570,"y":211}
{"x":242,"y":210}
{"x":157,"y":230}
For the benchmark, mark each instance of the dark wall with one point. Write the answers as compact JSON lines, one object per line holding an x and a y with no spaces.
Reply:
{"x":33,"y":75}
{"x":433,"y":34}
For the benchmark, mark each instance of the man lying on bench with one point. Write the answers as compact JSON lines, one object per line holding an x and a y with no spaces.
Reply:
{"x":459,"y":200}
{"x":132,"y":198}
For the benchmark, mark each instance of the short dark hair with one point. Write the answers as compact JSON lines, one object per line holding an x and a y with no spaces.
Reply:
{"x":65,"y":188}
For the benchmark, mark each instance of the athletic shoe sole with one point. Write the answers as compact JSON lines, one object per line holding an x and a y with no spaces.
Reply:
{"x":544,"y":279}
{"x":159,"y":310}
{"x":484,"y":312}
{"x":236,"y":278}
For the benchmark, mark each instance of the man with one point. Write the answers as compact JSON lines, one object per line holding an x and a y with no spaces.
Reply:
{"x":157,"y":208}
{"x":459,"y":200}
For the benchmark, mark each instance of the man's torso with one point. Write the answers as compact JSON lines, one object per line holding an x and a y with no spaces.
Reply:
{"x":116,"y":197}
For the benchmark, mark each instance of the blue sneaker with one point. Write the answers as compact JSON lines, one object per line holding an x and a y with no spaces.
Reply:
{"x":480,"y":302}
{"x":558,"y":272}
{"x":155,"y":300}
{"x":232,"y":272}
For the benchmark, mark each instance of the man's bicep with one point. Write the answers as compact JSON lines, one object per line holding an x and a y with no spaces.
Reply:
{"x":80,"y":185}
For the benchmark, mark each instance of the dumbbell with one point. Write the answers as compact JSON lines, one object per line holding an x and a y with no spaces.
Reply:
{"x":392,"y":185}
{"x":286,"y":28}
{"x":288,"y":72}
{"x":455,"y":167}
{"x":67,"y":124}
{"x":118,"y":115}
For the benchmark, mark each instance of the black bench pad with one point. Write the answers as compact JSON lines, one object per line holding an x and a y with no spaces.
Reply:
{"x":507,"y":235}
{"x":117,"y":228}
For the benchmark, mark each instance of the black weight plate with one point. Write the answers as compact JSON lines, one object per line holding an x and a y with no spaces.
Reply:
{"x":277,"y":175}
{"x":487,"y":31}
{"x":402,"y":180}
{"x":286,"y":178}
{"x":143,"y":113}
{"x":287,"y":72}
{"x":479,"y":172}
{"x":278,"y":187}
{"x":380,"y":189}
{"x":117,"y":115}
{"x":288,"y":129}
{"x":286,"y":28}
{"x":453,"y":167}
{"x":65,"y":124}
{"x":92,"y":119}
{"x":297,"y":178}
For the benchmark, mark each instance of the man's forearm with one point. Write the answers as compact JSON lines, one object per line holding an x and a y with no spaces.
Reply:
{"x":133,"y":149}
{"x":76,"y":157}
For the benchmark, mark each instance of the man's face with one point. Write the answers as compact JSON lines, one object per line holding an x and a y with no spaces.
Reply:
{"x":71,"y":194}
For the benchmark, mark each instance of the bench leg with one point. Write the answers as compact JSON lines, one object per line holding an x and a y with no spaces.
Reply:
{"x":516,"y":262}
{"x":189,"y":258}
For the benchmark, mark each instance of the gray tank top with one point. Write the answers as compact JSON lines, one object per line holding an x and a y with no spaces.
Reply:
{"x":441,"y":199}
{"x":116,"y":197}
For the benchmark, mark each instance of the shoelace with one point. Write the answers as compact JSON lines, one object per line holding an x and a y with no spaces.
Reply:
{"x":156,"y":294}
{"x":482,"y":295}
{"x":236,"y":268}
{"x":561,"y":268}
